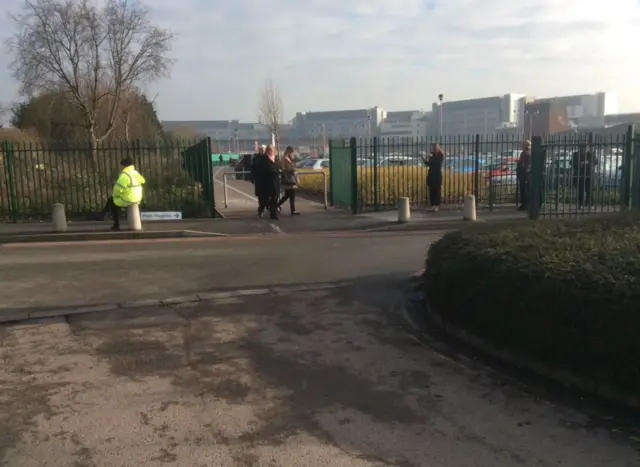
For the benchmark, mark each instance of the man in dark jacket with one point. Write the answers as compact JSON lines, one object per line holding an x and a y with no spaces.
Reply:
{"x":257,"y":168}
{"x":267,"y":182}
{"x":583,"y":167}
{"x":522,"y":173}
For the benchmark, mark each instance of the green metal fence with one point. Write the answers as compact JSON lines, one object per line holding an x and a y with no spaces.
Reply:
{"x":387,"y":169}
{"x":382,"y":170}
{"x":343,"y":174}
{"x":579,"y":174}
{"x":35,"y":176}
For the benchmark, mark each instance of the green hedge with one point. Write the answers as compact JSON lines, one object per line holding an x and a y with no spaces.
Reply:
{"x":566,"y":293}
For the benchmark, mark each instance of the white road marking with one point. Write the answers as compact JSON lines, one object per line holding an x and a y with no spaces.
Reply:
{"x":277,"y":229}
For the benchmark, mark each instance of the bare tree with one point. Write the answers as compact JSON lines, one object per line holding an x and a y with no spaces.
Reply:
{"x":271,"y":111}
{"x":97,"y":55}
{"x":3,"y":114}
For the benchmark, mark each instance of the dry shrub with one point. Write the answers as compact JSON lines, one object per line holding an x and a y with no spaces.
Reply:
{"x":397,"y":182}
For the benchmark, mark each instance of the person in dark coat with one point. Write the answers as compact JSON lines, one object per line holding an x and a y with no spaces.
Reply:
{"x":434,"y":177}
{"x":268,"y":180}
{"x":522,"y":173}
{"x":583,"y":167}
{"x":257,"y":164}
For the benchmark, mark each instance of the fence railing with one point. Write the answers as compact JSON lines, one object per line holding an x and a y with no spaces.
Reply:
{"x":374,"y":173}
{"x":34,"y":176}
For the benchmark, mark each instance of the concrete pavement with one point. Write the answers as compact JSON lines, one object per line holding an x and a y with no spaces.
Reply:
{"x":110,"y":272}
{"x":318,"y":378}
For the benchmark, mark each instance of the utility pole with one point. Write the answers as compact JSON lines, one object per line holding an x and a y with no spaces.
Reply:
{"x":440,"y":99}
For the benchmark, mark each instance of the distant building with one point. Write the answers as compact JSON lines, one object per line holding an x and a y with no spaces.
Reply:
{"x":339,"y":123}
{"x":585,"y":110}
{"x":484,"y":115}
{"x":405,"y":124}
{"x":545,"y":117}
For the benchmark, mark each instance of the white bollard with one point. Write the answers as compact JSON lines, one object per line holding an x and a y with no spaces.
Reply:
{"x":133,"y":217}
{"x":404,"y":211}
{"x":59,"y":218}
{"x":469,"y":208}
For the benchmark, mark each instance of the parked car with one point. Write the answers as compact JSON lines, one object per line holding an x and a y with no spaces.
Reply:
{"x":501,"y":170}
{"x":400,"y":161}
{"x":315,"y":164}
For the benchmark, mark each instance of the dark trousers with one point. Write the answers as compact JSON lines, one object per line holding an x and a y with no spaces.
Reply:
{"x":268,"y":201}
{"x":289,"y":194}
{"x":114,"y":210}
{"x":523,"y":184}
{"x":583,"y":187}
{"x":435,"y":194}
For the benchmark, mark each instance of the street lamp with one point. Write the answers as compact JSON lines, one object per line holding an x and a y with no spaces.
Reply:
{"x":531,"y":115}
{"x":237,"y":144}
{"x":441,"y":98}
{"x":324,"y":138}
{"x":369,"y":127}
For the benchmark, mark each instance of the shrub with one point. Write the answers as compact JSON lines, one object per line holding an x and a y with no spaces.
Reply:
{"x":44,"y":173}
{"x":565,"y":293}
{"x":397,"y":182}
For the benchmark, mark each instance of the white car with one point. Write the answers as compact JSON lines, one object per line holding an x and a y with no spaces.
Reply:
{"x":315,"y":164}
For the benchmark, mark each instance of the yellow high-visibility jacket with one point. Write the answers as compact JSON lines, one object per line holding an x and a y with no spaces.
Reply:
{"x":128,"y":187}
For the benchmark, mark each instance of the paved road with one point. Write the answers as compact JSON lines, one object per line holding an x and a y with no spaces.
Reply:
{"x":107,"y":272}
{"x":322,"y":378}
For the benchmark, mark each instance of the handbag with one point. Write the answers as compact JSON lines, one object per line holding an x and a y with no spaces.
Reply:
{"x":289,"y":178}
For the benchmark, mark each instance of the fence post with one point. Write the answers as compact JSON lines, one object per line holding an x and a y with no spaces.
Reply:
{"x":476,"y":172}
{"x":13,"y":202}
{"x":209,"y":169}
{"x":331,"y":179}
{"x":626,"y":199}
{"x":353,"y":145}
{"x":535,"y":177}
{"x":376,"y":181}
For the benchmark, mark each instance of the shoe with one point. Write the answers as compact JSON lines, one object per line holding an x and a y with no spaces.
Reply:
{"x":260,"y":214}
{"x":115,"y":228}
{"x":279,"y":208}
{"x":295,"y":213}
{"x":522,"y":208}
{"x":275,"y":218}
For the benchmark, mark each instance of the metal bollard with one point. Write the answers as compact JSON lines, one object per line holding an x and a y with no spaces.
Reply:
{"x":469,"y":208}
{"x":133,"y":217}
{"x":59,"y":218}
{"x":404,"y":210}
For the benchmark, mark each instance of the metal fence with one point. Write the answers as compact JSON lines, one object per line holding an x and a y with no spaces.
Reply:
{"x":579,"y":174}
{"x":383,"y":170}
{"x":374,"y":173}
{"x":34,"y":176}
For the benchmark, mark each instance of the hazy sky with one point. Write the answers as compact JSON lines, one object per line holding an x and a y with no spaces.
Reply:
{"x":397,"y":54}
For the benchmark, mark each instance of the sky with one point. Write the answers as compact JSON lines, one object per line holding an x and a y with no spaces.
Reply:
{"x":396,"y":54}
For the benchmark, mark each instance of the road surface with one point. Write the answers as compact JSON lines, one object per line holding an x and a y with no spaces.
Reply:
{"x":327,"y":377}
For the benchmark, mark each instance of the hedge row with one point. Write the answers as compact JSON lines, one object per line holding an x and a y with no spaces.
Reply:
{"x":566,"y":293}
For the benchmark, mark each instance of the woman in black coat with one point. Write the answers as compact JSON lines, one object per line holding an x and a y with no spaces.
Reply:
{"x":434,"y":177}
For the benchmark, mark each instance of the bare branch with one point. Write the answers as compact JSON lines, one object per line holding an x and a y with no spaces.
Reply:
{"x":95,"y":53}
{"x":271,"y":109}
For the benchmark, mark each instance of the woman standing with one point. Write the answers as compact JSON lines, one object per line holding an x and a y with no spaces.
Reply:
{"x":434,"y":177}
{"x":289,"y":180}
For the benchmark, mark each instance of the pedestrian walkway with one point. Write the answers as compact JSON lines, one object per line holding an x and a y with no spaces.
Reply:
{"x":241,"y":200}
{"x":289,"y":378}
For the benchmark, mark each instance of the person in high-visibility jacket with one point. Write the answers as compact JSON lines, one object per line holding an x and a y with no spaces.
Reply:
{"x":126,"y":191}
